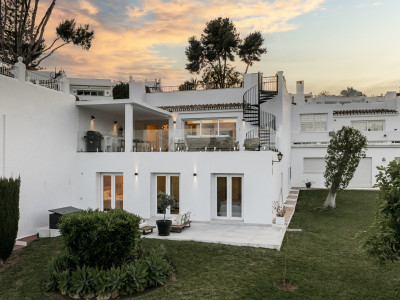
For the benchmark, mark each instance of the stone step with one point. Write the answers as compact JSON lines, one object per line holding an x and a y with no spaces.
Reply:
{"x":296,"y":192}
{"x":25,"y":240}
{"x":295,"y":188}
{"x":292,"y":197}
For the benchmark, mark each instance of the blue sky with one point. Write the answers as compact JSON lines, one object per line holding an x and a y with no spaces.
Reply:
{"x":330,"y":44}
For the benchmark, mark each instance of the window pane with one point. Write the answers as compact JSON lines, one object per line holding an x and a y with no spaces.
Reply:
{"x":209,"y":127}
{"x":227,"y":127}
{"x":161,"y":187}
{"x":106,"y":192}
{"x":192,"y":128}
{"x":119,"y":192}
{"x":174,"y":183}
{"x":237,"y":197}
{"x":222,"y":197}
{"x":375,"y":125}
{"x":359,"y":125}
{"x":314,"y":122}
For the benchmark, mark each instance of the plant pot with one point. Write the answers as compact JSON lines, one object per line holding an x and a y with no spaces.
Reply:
{"x":280,"y":220}
{"x":164,"y":227}
{"x":308,"y":185}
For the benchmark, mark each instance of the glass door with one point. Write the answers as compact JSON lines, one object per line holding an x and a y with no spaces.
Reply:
{"x":228,"y":197}
{"x":112,"y":187}
{"x":169,"y":184}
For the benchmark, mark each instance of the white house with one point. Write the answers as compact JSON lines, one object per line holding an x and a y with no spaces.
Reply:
{"x":215,"y":150}
{"x":315,"y":119}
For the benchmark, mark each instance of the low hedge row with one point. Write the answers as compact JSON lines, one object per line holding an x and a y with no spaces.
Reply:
{"x":85,"y":282}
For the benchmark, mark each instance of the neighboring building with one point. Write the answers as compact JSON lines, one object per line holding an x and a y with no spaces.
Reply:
{"x":214,"y":150}
{"x":316,"y":119}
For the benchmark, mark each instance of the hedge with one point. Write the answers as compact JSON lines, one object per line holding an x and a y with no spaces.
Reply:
{"x":9,"y":215}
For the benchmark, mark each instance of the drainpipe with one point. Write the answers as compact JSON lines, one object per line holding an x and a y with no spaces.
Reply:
{"x":4,"y":145}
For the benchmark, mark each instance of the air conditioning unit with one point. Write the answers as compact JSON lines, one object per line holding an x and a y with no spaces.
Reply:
{"x":331,"y":133}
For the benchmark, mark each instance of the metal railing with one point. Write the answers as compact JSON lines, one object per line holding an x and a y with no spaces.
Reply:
{"x":269,"y":83}
{"x":43,"y":80}
{"x":183,"y":87}
{"x":6,"y":69}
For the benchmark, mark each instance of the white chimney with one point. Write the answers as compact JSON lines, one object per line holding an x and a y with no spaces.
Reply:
{"x":300,"y":87}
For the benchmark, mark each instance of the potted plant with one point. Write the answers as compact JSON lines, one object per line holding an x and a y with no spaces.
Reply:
{"x":163,"y":202}
{"x":280,"y":215}
{"x":308,"y":184}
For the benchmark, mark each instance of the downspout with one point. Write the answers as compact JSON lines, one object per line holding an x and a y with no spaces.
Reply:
{"x":4,"y":146}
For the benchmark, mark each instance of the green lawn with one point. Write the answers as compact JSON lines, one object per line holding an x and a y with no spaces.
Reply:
{"x":324,"y":260}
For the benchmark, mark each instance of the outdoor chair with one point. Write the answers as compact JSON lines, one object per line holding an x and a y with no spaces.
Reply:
{"x":181,"y":221}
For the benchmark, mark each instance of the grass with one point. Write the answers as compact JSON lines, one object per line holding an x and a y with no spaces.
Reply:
{"x":324,"y":261}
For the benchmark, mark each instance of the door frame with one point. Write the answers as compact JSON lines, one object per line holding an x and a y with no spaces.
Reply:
{"x":214,"y":203}
{"x":167,"y":190}
{"x":112,"y":174}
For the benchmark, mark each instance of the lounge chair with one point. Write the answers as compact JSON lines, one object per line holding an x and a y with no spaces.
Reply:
{"x":145,"y":227}
{"x":181,"y":221}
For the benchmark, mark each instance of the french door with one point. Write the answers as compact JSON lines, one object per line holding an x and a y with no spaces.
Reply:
{"x":228,"y":202}
{"x":112,"y":188}
{"x":168,"y":184}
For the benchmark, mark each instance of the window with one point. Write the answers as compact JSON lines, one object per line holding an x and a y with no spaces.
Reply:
{"x":211,"y":127}
{"x":372,"y":125}
{"x":314,"y":165}
{"x":314,"y":122}
{"x":89,"y":93}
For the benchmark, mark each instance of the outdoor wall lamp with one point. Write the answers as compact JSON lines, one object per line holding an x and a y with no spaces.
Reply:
{"x":115,"y":123}
{"x":174,"y":121}
{"x":136,"y":173}
{"x":93,"y":118}
{"x":195,"y":174}
{"x":280,"y":155}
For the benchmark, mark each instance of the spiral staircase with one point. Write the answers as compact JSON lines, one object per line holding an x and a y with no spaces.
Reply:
{"x":264,"y":122}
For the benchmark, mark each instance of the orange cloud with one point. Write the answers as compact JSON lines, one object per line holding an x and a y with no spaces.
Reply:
{"x":126,"y":34}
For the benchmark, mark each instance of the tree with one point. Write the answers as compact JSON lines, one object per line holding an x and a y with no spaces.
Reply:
{"x":382,"y":239}
{"x":218,"y":46}
{"x":344,"y":152}
{"x":20,"y":35}
{"x":121,"y":91}
{"x":324,"y":93}
{"x":251,"y":49}
{"x":189,"y":85}
{"x":350,"y":92}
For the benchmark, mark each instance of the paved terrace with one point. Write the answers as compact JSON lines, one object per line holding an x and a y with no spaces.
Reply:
{"x":270,"y":237}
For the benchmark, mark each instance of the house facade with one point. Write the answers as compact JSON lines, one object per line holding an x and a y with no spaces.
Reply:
{"x":215,"y":150}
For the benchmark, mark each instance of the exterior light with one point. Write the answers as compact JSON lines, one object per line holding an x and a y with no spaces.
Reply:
{"x":195,"y":174}
{"x":93,"y":118}
{"x":280,"y":155}
{"x":174,"y":121}
{"x":115,"y":123}
{"x":136,"y":173}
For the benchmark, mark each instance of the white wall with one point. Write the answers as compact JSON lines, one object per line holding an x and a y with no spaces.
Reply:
{"x":40,"y":146}
{"x":259,"y":185}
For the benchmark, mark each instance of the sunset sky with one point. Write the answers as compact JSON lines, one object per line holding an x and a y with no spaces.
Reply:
{"x":330,"y":44}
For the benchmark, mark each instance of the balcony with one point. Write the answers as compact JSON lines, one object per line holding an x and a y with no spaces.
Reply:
{"x":166,"y":140}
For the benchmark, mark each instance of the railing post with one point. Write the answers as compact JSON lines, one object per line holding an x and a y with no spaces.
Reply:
{"x":64,"y":82}
{"x":20,"y":70}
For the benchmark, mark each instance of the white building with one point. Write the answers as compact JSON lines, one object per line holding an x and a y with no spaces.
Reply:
{"x":214,"y":150}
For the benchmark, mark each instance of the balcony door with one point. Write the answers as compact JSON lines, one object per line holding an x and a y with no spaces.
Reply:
{"x":169,"y":184}
{"x":228,"y":197}
{"x":112,"y":191}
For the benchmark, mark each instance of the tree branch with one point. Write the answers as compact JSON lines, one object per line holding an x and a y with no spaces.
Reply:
{"x":38,"y":62}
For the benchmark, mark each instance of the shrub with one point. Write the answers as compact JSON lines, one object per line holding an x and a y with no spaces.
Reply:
{"x":9,"y":215}
{"x":87,"y":282}
{"x":97,"y":238}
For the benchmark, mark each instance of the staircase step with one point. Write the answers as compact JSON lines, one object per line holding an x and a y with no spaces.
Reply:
{"x":292,"y":197}
{"x":25,"y":240}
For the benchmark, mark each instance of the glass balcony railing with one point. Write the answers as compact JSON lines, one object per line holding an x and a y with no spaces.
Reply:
{"x":172,"y":140}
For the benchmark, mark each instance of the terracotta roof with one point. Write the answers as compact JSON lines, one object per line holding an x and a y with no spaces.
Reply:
{"x":219,"y":106}
{"x":364,"y":112}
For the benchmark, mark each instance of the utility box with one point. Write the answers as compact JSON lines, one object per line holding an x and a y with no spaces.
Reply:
{"x":56,"y":214}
